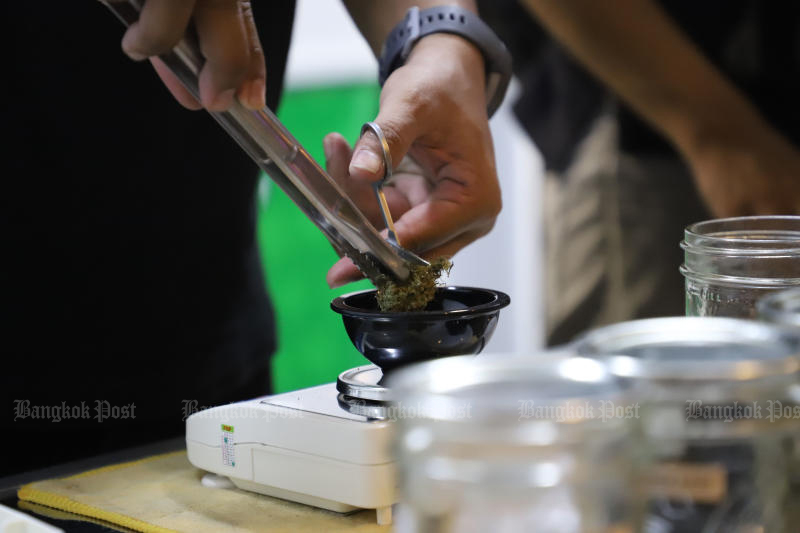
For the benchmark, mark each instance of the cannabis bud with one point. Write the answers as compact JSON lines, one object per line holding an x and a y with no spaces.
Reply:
{"x":416,"y":292}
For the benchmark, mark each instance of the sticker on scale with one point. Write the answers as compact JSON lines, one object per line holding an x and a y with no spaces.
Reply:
{"x":228,"y":458}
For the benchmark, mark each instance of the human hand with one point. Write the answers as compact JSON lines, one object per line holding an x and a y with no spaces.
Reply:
{"x":432,"y":111}
{"x":234,"y":60}
{"x":753,"y":172}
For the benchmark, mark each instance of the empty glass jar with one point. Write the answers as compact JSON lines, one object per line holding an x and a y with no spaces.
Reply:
{"x":514,"y":445}
{"x":719,"y":412}
{"x":731,"y":263}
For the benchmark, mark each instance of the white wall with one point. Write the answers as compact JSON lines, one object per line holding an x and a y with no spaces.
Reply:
{"x":328,"y":50}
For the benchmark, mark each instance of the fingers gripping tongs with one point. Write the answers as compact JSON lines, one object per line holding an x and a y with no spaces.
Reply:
{"x":278,"y":153}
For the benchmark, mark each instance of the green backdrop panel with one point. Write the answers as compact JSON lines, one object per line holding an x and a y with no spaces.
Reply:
{"x":313,"y":347}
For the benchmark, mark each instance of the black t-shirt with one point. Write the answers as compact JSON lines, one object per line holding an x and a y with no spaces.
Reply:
{"x":755,"y":44}
{"x":130,"y":270}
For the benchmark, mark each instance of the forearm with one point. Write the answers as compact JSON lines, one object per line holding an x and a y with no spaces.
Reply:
{"x":636,"y":49}
{"x":375,"y":19}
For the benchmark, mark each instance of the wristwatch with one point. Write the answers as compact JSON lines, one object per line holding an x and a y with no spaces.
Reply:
{"x":458,"y":21}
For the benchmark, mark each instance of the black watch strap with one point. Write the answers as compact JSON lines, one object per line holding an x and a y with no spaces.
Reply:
{"x":458,"y":21}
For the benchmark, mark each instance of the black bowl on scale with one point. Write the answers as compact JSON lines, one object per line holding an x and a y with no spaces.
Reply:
{"x":459,"y":321}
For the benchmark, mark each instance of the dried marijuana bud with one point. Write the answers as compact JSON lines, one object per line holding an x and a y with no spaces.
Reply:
{"x":416,"y":292}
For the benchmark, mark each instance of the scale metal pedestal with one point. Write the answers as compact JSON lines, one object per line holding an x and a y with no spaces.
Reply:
{"x":326,"y":446}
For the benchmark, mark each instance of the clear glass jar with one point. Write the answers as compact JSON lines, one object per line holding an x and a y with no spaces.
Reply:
{"x":514,"y":444}
{"x":719,"y":407}
{"x":731,"y":263}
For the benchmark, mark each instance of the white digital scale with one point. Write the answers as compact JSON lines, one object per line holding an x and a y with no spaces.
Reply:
{"x":326,"y":446}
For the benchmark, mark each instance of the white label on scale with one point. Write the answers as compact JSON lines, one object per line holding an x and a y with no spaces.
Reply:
{"x":228,"y":458}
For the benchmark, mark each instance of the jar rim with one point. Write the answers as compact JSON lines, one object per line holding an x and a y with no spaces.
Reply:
{"x":615,"y":342}
{"x":487,"y":384}
{"x":745,"y":235}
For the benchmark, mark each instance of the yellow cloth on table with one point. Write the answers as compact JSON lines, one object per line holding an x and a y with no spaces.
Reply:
{"x":163,"y":494}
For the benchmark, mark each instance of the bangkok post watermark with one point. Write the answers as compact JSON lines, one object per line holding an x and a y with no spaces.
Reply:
{"x":238,"y":411}
{"x":770,"y":410}
{"x":406,"y":410}
{"x":99,"y":410}
{"x":603,"y":410}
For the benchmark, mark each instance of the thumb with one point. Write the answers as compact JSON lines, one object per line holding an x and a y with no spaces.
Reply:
{"x":368,"y":155}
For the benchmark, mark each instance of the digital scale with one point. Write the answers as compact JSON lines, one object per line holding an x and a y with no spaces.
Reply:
{"x":326,"y":446}
{"x":330,"y":446}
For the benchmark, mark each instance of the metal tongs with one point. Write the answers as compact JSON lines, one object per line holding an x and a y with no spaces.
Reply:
{"x":290,"y":166}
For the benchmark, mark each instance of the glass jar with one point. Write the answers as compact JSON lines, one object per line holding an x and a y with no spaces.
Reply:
{"x":719,"y":405}
{"x":514,"y":444}
{"x":731,"y":263}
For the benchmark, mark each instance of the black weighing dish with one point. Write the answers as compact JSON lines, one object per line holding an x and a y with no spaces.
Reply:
{"x":459,"y":321}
